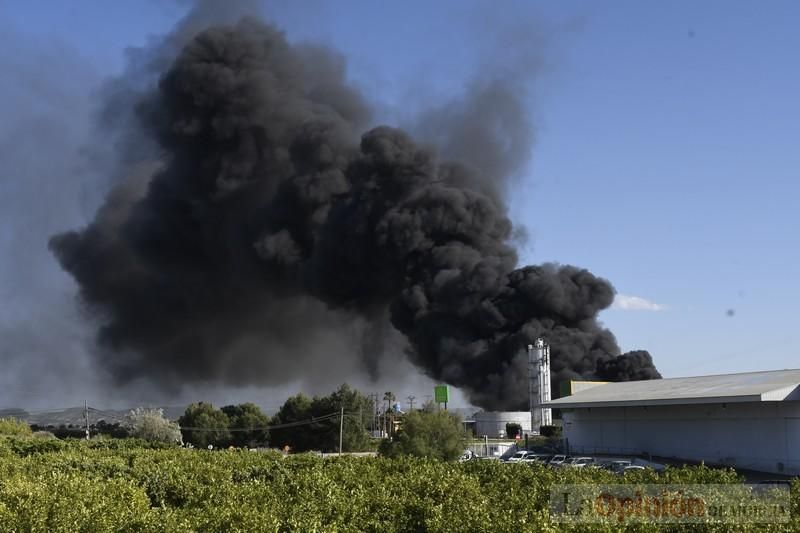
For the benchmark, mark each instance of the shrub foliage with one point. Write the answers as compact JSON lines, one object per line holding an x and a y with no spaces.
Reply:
{"x":120,"y":485}
{"x":149,"y":424}
{"x":12,"y":426}
{"x":432,"y":434}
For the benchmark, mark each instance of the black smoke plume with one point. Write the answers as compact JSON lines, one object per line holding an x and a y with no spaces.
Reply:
{"x":268,"y":214}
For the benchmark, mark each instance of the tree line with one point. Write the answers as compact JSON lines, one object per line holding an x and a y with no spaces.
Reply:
{"x":301,"y":424}
{"x":306,"y":423}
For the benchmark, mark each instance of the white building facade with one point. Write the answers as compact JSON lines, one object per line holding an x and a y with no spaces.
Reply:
{"x":493,"y":423}
{"x":749,"y":421}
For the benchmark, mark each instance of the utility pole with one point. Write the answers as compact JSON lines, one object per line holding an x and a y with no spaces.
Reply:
{"x":388,"y":398}
{"x":341,"y":428}
{"x":376,"y":415}
{"x":86,"y":416}
{"x":411,"y":402}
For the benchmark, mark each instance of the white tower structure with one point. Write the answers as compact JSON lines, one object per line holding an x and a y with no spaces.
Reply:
{"x":539,"y":384}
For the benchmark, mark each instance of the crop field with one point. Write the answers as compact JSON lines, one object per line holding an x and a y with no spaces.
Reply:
{"x":125,"y":485}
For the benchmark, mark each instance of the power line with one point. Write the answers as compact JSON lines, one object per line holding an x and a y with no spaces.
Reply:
{"x":98,"y":413}
{"x":298,"y":423}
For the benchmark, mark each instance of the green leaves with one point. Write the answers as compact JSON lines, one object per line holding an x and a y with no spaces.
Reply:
{"x":247,"y":422}
{"x":96,"y":486}
{"x":432,"y":434}
{"x":323,"y":434}
{"x":150,"y":425}
{"x":67,"y":501}
{"x":13,"y":426}
{"x":202,"y":425}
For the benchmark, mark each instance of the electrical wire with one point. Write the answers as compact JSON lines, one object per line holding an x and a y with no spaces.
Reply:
{"x":298,"y":423}
{"x":110,"y":416}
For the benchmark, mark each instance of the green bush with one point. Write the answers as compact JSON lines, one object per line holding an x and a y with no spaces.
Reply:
{"x":550,"y":431}
{"x":204,"y":426}
{"x":29,"y":446}
{"x":67,"y":501}
{"x":150,"y":425}
{"x":434,"y":434}
{"x":82,"y":486}
{"x":12,"y":426}
{"x":513,"y":429}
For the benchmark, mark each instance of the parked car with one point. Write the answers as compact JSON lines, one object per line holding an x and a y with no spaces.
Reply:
{"x":616,"y":466}
{"x":519,"y":456}
{"x":557,"y":460}
{"x":537,"y":458}
{"x":567,"y":462}
{"x":580,"y":462}
{"x":631,"y":468}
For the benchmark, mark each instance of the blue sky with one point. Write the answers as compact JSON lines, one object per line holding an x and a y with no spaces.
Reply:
{"x":668,"y":146}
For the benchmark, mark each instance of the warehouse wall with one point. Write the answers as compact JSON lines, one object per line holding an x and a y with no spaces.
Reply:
{"x":763,"y":436}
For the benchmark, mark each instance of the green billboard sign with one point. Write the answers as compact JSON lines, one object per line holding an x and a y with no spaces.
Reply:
{"x":441,"y":394}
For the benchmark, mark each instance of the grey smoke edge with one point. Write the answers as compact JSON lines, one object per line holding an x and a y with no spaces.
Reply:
{"x":272,"y":227}
{"x":42,"y":334}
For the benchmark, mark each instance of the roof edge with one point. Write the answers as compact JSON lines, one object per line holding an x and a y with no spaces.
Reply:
{"x":564,"y":403}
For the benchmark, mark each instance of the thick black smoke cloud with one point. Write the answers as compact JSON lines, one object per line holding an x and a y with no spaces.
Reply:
{"x":267,"y":205}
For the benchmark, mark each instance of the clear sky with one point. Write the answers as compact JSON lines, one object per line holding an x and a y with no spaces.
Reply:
{"x":668,"y":151}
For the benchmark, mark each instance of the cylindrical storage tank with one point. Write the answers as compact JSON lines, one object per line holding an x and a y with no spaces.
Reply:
{"x":493,"y":423}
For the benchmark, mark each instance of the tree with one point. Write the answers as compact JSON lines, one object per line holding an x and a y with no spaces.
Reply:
{"x":429,"y":407}
{"x":550,"y":431}
{"x":115,"y":430}
{"x":357,"y":414}
{"x":202,"y":425}
{"x":513,"y":430}
{"x":436,"y":434}
{"x":389,"y":398}
{"x":150,"y":424}
{"x":388,"y":412}
{"x":247,"y":416}
{"x":294,"y":410}
{"x":318,"y":421}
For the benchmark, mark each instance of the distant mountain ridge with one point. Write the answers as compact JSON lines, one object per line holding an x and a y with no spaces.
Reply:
{"x":75,"y":416}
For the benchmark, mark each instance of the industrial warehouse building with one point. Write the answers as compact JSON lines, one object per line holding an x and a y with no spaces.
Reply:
{"x":750,"y":421}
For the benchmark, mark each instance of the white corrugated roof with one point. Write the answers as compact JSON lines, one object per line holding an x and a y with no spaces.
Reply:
{"x":775,"y":385}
